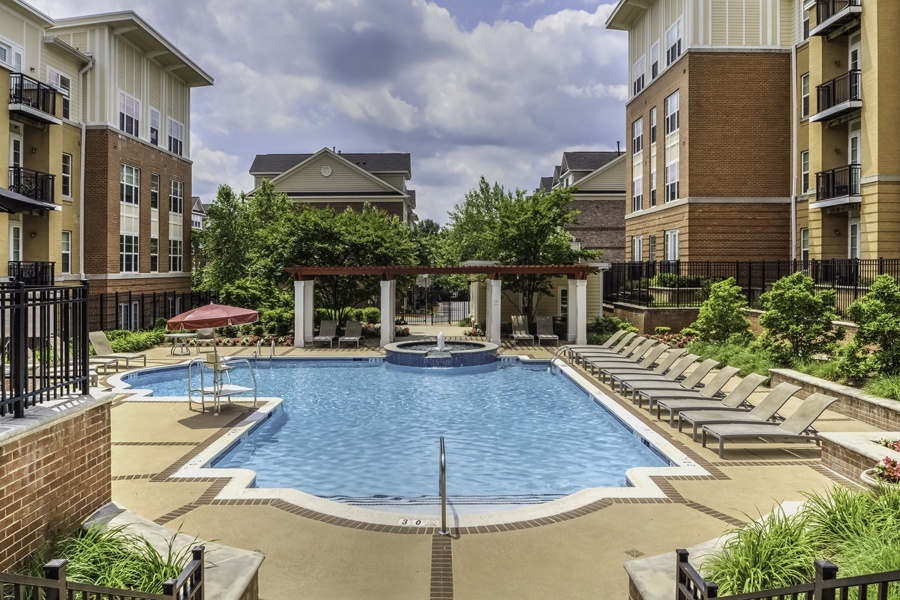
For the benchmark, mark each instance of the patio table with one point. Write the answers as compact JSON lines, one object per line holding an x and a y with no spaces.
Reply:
{"x":179,"y":340}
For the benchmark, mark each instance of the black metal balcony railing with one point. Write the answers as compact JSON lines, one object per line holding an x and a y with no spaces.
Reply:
{"x":33,"y":184}
{"x":840,"y":90}
{"x":826,"y":9}
{"x":838,"y":183}
{"x":32,"y":273}
{"x":31,"y":92}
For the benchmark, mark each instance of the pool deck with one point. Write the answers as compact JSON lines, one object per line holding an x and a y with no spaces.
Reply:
{"x":579,"y":554}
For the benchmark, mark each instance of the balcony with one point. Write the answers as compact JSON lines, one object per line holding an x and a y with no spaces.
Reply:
{"x":840,"y":96}
{"x":32,"y":273}
{"x":32,"y":98}
{"x":837,"y":186}
{"x":32,"y":184}
{"x":835,"y":14}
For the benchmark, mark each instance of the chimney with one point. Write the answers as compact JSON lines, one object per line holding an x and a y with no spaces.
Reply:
{"x":618,"y":152}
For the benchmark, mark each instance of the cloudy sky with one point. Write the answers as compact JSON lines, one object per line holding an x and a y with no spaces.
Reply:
{"x":498,"y":88}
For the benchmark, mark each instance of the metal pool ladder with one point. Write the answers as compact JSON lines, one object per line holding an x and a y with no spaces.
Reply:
{"x":443,"y":484}
{"x":556,"y":355}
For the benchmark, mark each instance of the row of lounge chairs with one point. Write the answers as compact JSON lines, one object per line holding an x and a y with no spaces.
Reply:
{"x":544,"y":330}
{"x":677,"y":384}
{"x":328,"y":333}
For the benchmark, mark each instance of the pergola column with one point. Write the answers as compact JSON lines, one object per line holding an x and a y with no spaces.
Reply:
{"x":303,"y":312}
{"x":494,"y":297}
{"x":572,"y":312}
{"x":581,"y":311}
{"x":388,"y":289}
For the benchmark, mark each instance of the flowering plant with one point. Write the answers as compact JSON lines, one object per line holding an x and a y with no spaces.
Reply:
{"x":473,"y":331}
{"x":400,"y":331}
{"x":675,"y":340}
{"x":888,"y":470}
{"x":893,"y":445}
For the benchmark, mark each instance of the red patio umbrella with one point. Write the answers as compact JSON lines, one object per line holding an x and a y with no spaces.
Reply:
{"x":212,"y":315}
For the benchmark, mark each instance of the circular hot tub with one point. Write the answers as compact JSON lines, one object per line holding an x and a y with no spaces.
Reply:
{"x":425,"y":353}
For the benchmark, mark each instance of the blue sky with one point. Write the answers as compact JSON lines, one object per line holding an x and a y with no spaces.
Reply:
{"x":499,"y":88}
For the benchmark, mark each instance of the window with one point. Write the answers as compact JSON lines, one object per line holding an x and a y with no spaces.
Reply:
{"x":672,"y":112}
{"x":653,"y":125}
{"x":637,"y":194}
{"x":651,"y":248}
{"x":804,"y":171}
{"x":154,"y":190}
{"x":154,"y":127}
{"x":637,"y":136}
{"x":129,"y":315}
{"x":66,"y":252}
{"x":176,"y":137}
{"x":176,"y":197}
{"x":66,"y":180}
{"x":670,"y":243}
{"x":11,"y":55}
{"x":154,"y":255}
{"x":196,"y":223}
{"x":654,"y":60}
{"x":64,"y":85}
{"x":563,"y":301}
{"x":175,"y":255}
{"x":129,"y":114}
{"x":804,"y":245}
{"x":128,"y":253}
{"x":130,"y":184}
{"x":853,"y":239}
{"x":653,"y":186}
{"x":804,"y":95}
{"x":805,"y":17}
{"x":672,"y":182}
{"x":638,"y":71}
{"x":673,"y":43}
{"x":637,"y":248}
{"x":671,"y":175}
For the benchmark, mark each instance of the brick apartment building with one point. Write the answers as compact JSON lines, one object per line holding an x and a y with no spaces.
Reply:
{"x":329,"y":178}
{"x":749,"y":137}
{"x":99,"y":131}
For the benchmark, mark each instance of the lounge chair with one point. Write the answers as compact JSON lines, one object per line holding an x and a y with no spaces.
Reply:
{"x":352,"y":333}
{"x":520,"y":330}
{"x":625,"y":345}
{"x":327,"y":333}
{"x":767,"y":409}
{"x":677,"y":402}
{"x":795,"y":428}
{"x":709,"y":391}
{"x":545,"y":330}
{"x":103,"y":350}
{"x":691,"y":381}
{"x":676,"y":371}
{"x":661,"y":368}
{"x":206,"y":336}
{"x":573,"y":349}
{"x":644,"y":357}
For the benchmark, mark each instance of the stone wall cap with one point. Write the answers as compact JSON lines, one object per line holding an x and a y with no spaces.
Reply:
{"x":846,"y":390}
{"x":41,"y":416}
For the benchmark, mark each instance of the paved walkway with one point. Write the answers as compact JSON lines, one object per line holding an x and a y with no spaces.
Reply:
{"x":578,"y":556}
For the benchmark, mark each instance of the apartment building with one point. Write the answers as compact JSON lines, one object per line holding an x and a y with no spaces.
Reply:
{"x":334,"y":179}
{"x":776,"y":139}
{"x":99,"y":131}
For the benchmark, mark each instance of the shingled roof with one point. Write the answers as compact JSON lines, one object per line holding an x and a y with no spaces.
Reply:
{"x":588,"y":161}
{"x":385,"y":162}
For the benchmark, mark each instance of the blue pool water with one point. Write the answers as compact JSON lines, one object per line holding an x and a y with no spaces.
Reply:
{"x":353,"y":430}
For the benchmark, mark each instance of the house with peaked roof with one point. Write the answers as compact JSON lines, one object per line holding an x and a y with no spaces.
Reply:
{"x":333,"y":179}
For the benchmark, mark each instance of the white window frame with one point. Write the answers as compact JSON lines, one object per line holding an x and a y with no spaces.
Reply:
{"x":673,"y":180}
{"x":654,"y":61}
{"x":15,"y":241}
{"x":637,"y":135}
{"x":176,"y":197}
{"x":854,"y":238}
{"x":674,"y":36}
{"x":562,"y":299}
{"x":637,"y":194}
{"x":128,"y":315}
{"x":637,"y":248}
{"x":638,"y":75}
{"x":129,"y":114}
{"x":154,"y":254}
{"x":12,"y":55}
{"x":804,"y":245}
{"x":804,"y":171}
{"x":154,"y":126}
{"x":672,"y":112}
{"x":651,"y":248}
{"x":63,"y":83}
{"x":804,"y":95}
{"x":154,"y":191}
{"x":176,"y":137}
{"x":652,"y":125}
{"x":65,"y":182}
{"x":671,"y":177}
{"x":129,"y":253}
{"x":653,"y":185}
{"x":130,"y":185}
{"x":66,"y":253}
{"x":670,"y":245}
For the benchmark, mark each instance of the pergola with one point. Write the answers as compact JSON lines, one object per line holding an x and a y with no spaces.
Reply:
{"x":304,"y":285}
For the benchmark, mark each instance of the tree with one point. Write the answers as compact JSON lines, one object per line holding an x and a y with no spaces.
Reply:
{"x":224,"y":259}
{"x":514,"y":229}
{"x":876,"y":345}
{"x":798,"y":320}
{"x":723,"y":315}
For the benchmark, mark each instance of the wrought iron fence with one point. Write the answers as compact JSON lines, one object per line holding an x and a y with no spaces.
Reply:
{"x":189,"y":585}
{"x":689,"y":585}
{"x":686,"y":284}
{"x":31,"y":92}
{"x":32,"y":273}
{"x":44,"y":349}
{"x":133,"y":311}
{"x":32,"y":184}
{"x":825,"y":9}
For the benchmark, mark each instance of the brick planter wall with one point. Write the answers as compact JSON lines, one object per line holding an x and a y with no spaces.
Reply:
{"x":648,"y":319}
{"x":851,"y":453}
{"x":53,"y":475}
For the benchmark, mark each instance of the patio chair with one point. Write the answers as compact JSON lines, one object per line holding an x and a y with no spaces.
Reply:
{"x":766,"y":410}
{"x":545,"y":330}
{"x":352,"y":333}
{"x":520,"y":330}
{"x":662,"y":367}
{"x":598,"y":351}
{"x":572,"y":349}
{"x":676,"y":371}
{"x":709,"y":391}
{"x":327,"y":333}
{"x":644,"y":357}
{"x":103,"y":350}
{"x":206,"y":336}
{"x":691,"y":381}
{"x":625,"y":350}
{"x":62,"y":358}
{"x":796,"y":428}
{"x":701,"y":400}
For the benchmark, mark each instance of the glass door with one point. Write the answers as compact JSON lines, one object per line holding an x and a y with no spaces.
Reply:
{"x":853,"y":239}
{"x":15,"y":242}
{"x":854,"y":152}
{"x":855,"y":78}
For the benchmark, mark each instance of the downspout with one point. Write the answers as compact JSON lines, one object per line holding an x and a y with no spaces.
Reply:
{"x":81,"y":180}
{"x":794,"y":155}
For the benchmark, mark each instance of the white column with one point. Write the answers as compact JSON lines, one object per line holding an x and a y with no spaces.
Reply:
{"x":581,"y":315}
{"x":488,"y":292}
{"x":572,"y":316}
{"x":387,"y":319}
{"x":494,"y":311}
{"x":393,"y":307}
{"x":309,"y":309}
{"x":299,"y":306}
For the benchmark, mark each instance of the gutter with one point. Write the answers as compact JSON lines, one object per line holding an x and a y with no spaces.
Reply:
{"x":794,"y":154}
{"x":81,"y":74}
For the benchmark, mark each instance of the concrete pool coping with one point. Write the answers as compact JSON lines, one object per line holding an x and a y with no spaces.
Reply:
{"x":240,"y":482}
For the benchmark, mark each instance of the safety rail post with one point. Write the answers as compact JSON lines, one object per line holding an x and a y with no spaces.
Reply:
{"x":443,"y":484}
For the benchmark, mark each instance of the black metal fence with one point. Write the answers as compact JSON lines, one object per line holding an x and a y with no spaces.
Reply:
{"x":189,"y":585}
{"x":44,"y":349}
{"x":133,"y":311}
{"x":689,"y":585}
{"x":32,"y":273}
{"x":685,"y":284}
{"x":32,"y":184}
{"x":31,"y":92}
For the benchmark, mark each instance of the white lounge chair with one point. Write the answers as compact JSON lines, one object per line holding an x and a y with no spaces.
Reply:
{"x":520,"y":330}
{"x":103,"y":350}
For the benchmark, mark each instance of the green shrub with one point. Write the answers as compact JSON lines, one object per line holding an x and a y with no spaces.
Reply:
{"x":278,"y":321}
{"x":748,"y":359}
{"x":876,"y":346}
{"x":246,"y":293}
{"x":662,"y":330}
{"x":610,"y":325}
{"x":886,"y":386}
{"x":723,"y":315}
{"x":675,"y":281}
{"x":229,"y":331}
{"x":832,"y":370}
{"x":134,"y":341}
{"x":798,"y":320}
{"x":160,"y":323}
{"x":370,"y":314}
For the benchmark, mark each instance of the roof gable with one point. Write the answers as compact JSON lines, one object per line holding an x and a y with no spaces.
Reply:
{"x":383,"y":162}
{"x":329,"y":174}
{"x":610,"y":177}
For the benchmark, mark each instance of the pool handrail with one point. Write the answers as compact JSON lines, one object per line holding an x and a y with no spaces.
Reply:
{"x":443,"y":485}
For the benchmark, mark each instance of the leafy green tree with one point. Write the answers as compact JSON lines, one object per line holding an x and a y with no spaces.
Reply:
{"x":722,"y":315}
{"x":512,"y":228}
{"x":876,"y":345}
{"x":798,"y":320}
{"x":224,"y":257}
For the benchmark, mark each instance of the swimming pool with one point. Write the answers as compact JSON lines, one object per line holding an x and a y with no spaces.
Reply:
{"x":367,"y":432}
